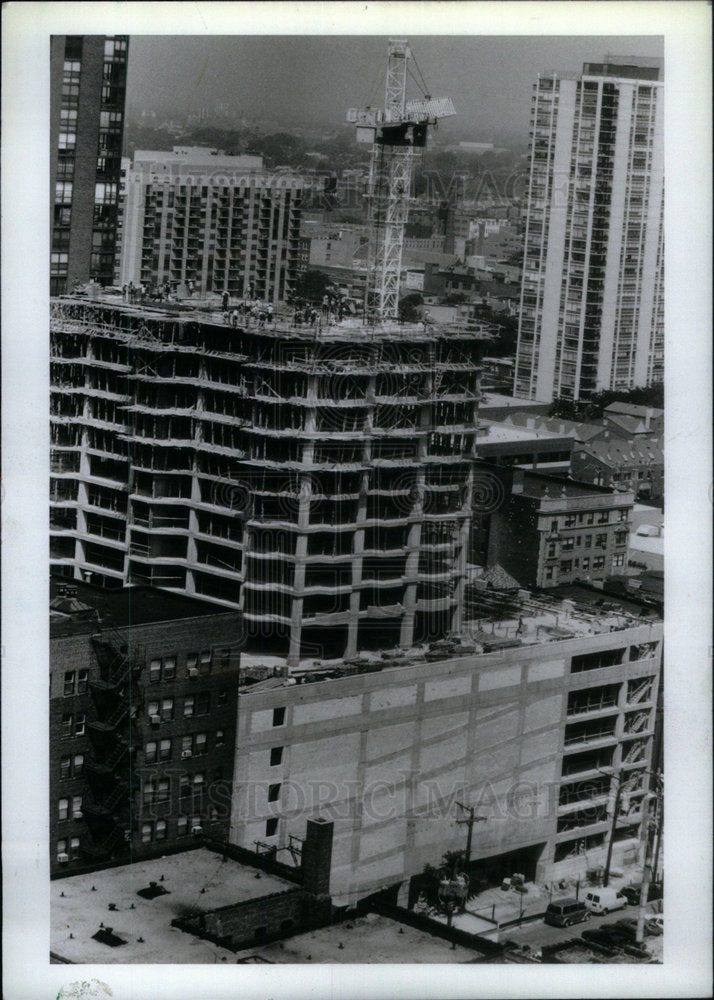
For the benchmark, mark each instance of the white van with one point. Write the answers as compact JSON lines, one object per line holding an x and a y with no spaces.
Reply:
{"x":605,"y":900}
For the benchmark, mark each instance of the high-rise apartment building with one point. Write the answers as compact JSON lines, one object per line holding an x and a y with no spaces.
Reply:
{"x":317,"y":478}
{"x":592,"y":301}
{"x":211,"y":222}
{"x":88,"y":88}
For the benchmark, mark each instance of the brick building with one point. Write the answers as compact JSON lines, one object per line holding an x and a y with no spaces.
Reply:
{"x":143,"y":691}
{"x":87,"y":93}
{"x":544,"y":531}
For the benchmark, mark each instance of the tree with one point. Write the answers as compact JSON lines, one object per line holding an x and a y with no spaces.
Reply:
{"x":410,"y":307}
{"x":312,"y":285}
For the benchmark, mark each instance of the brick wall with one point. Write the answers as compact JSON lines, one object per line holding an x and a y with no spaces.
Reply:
{"x":214,"y":694}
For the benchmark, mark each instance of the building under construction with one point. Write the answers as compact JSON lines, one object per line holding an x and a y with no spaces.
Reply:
{"x":318,"y":478}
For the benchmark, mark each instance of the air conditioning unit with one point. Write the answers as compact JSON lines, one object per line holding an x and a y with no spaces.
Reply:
{"x":196,"y":830}
{"x":78,"y":814}
{"x":185,"y":754}
{"x":154,"y":720}
{"x":193,"y":671}
{"x":63,"y":858}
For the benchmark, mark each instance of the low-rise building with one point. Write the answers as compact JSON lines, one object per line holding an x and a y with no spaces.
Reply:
{"x":536,"y":530}
{"x":532,"y":719}
{"x":517,"y":446}
{"x":637,"y":463}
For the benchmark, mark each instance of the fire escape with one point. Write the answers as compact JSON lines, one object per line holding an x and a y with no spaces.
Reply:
{"x":107,"y":806}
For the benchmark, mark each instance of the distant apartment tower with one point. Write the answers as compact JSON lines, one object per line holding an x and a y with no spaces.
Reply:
{"x":87,"y":93}
{"x":212,"y":222}
{"x":592,"y":301}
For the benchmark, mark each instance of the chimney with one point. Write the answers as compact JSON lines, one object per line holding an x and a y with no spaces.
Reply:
{"x":317,"y":857}
{"x":648,"y":417}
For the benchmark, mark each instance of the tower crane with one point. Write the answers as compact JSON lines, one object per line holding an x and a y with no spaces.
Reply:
{"x":394,"y":133}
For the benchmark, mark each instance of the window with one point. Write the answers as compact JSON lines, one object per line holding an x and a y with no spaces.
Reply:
{"x":147,"y":830}
{"x":68,"y":683}
{"x":276,"y":756}
{"x":220,"y":738}
{"x":150,"y":753}
{"x":600,"y":541}
{"x":167,"y":709}
{"x":271,"y":826}
{"x":551,"y":550}
{"x":189,"y":704}
{"x":205,"y":664}
{"x":278,"y":716}
{"x":223,"y":696}
{"x":80,"y":724}
{"x":63,"y":193}
{"x":184,"y":787}
{"x":148,"y":791}
{"x":566,"y":566}
{"x":61,"y":847}
{"x":623,"y":515}
{"x":553,"y":525}
{"x":620,"y":538}
{"x":200,"y":743}
{"x":603,"y":516}
{"x":619,"y":559}
{"x":78,"y":764}
{"x":169,"y":668}
{"x":152,"y":708}
{"x":65,"y":767}
{"x":182,"y":826}
{"x":74,"y":848}
{"x":588,"y":541}
{"x":63,"y":809}
{"x":598,"y":562}
{"x":570,"y":521}
{"x":82,"y":681}
{"x":203,"y":703}
{"x":586,"y":563}
{"x":191,"y":661}
{"x":162,"y":792}
{"x":160,"y":829}
{"x":154,"y":671}
{"x":549,"y":572}
{"x":165,"y":750}
{"x":67,"y":140}
{"x":76,"y":807}
{"x":273,"y":793}
{"x":67,"y":724}
{"x":568,"y":544}
{"x":590,"y":518}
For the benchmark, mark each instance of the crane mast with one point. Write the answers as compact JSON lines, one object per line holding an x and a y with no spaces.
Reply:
{"x":394,"y":133}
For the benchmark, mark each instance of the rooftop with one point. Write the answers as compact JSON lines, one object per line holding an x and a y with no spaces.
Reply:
{"x":496,"y":619}
{"x":81,"y":910}
{"x":497,"y":399}
{"x":499,"y":433}
{"x":72,"y":601}
{"x":349,"y":330}
{"x":547,"y":487}
{"x":370,"y":938}
{"x":198,"y":156}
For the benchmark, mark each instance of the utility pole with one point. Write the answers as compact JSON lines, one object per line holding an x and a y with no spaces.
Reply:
{"x":470,"y":823}
{"x":613,"y":825}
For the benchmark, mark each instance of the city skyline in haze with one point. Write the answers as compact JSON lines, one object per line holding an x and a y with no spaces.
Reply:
{"x":313,"y":79}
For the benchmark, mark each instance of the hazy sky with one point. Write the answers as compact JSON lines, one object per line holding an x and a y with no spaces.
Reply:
{"x":316,"y":78}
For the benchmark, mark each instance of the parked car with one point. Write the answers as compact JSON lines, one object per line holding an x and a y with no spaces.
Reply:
{"x":564,"y":912}
{"x":654,"y":925}
{"x":605,"y":900}
{"x":634,"y":892}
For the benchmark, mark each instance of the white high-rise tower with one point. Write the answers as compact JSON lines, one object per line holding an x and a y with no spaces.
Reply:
{"x":592,"y":303}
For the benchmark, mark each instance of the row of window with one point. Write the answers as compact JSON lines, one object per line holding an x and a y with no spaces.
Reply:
{"x":193,"y":704}
{"x":572,"y":520}
{"x":192,"y":745}
{"x":199,"y":662}
{"x":157,"y":831}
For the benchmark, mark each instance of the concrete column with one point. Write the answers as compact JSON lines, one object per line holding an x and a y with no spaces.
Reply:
{"x":358,"y":535}
{"x":411,"y":568}
{"x":305,"y":490}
